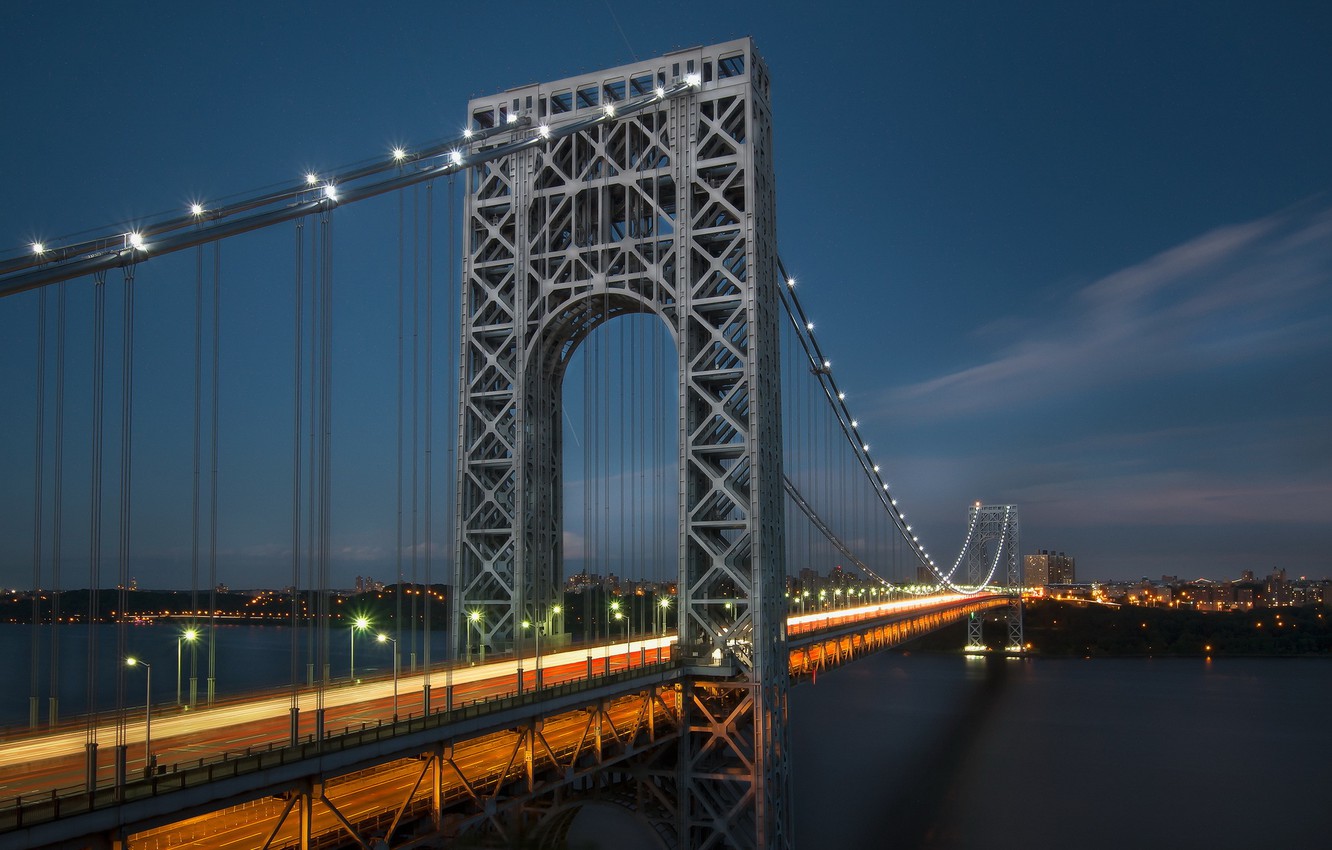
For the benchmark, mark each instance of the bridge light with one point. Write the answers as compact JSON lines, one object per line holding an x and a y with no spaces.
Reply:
{"x":196,"y":209}
{"x":135,"y":240}
{"x":38,"y":248}
{"x":610,"y":110}
{"x":827,"y":364}
{"x":399,"y":154}
{"x":876,"y":469}
{"x":865,"y":447}
{"x":312,"y":179}
{"x":809,"y":326}
{"x":455,"y":157}
{"x":894,"y":501}
{"x":693,"y":80}
{"x":543,"y":131}
{"x":790,"y":282}
{"x":467,"y":132}
{"x":885,"y":487}
{"x":661,"y":92}
{"x":331,"y":192}
{"x":855,"y":423}
{"x":511,"y":118}
{"x":841,"y":396}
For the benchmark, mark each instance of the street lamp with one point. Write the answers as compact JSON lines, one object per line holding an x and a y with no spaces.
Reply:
{"x":187,"y":636}
{"x":147,"y":714}
{"x":360,"y":624}
{"x":385,"y":638}
{"x":665,"y":605}
{"x":804,"y":594}
{"x":474,"y":617}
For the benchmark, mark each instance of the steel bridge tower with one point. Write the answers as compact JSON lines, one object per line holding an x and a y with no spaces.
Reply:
{"x":667,"y":210}
{"x":992,"y":558}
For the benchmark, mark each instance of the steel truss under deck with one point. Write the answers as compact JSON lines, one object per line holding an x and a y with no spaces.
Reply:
{"x":661,"y":204}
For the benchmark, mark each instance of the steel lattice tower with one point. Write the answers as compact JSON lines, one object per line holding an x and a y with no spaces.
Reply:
{"x":992,"y":558}
{"x":666,"y":209}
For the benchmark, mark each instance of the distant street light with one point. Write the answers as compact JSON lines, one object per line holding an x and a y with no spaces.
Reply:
{"x":187,"y":636}
{"x":360,"y":624}
{"x":147,"y":715}
{"x":383,"y":638}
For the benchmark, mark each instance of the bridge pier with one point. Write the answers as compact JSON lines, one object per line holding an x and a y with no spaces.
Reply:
{"x":306,"y":805}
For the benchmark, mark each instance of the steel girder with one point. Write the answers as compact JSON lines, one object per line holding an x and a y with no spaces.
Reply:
{"x":668,"y":211}
{"x":992,"y":558}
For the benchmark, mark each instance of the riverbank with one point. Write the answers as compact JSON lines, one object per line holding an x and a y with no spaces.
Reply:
{"x":1058,"y":628}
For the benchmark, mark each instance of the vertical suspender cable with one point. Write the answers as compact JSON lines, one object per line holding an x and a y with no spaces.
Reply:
{"x":416,"y":408}
{"x":397,"y":549}
{"x":95,"y":523}
{"x":326,"y":546}
{"x":298,"y":327}
{"x":311,"y":500}
{"x":212,"y":498}
{"x":198,"y":451}
{"x":429,"y":421}
{"x":126,"y":488}
{"x":453,"y":368}
{"x":53,"y":698}
{"x":39,"y":454}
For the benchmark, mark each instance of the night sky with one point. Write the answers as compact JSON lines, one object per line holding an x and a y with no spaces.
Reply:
{"x":1071,"y":256}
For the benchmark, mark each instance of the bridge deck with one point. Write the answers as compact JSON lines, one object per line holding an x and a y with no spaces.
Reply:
{"x":229,"y":766}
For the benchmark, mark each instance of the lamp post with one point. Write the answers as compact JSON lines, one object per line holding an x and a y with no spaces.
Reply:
{"x":665,"y":606}
{"x":382,"y":638}
{"x":804,"y":594}
{"x":619,"y":615}
{"x":474,"y":619}
{"x":360,"y":624}
{"x":147,"y":714}
{"x":187,"y":636}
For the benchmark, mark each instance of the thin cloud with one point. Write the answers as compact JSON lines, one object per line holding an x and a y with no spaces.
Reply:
{"x":1241,"y":293}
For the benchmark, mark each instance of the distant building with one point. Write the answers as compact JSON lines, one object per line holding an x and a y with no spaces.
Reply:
{"x":1048,"y":568}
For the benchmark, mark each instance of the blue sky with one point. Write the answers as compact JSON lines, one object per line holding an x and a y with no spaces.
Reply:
{"x":1073,"y":256}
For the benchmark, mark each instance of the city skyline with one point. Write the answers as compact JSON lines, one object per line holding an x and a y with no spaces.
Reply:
{"x":1079,"y":260}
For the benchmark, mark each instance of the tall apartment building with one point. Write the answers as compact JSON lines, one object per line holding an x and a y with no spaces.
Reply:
{"x":1048,"y":568}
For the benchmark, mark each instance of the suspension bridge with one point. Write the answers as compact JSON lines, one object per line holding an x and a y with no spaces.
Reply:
{"x":701,"y":438}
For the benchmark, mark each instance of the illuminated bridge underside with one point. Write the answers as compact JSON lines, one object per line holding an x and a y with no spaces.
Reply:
{"x":520,"y":764}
